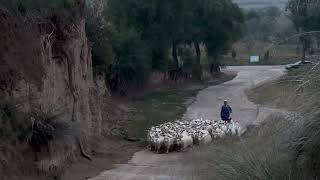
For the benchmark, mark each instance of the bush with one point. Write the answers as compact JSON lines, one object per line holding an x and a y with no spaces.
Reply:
{"x":53,"y":140}
{"x":12,"y":122}
{"x":44,"y":128}
{"x":35,"y":128}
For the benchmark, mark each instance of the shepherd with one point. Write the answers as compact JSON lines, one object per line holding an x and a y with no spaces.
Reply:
{"x":226,"y":112}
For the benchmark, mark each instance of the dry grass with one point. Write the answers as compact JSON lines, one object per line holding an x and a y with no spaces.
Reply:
{"x":275,"y":94}
{"x":259,"y":154}
{"x":282,"y":147}
{"x":298,"y":91}
{"x":280,"y":54}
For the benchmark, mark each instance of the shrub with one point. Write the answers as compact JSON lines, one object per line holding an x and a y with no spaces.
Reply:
{"x":44,"y":128}
{"x":35,"y":128}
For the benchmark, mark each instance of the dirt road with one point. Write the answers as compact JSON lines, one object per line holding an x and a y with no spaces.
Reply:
{"x":146,"y":165}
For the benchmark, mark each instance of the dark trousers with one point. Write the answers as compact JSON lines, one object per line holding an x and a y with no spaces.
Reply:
{"x":227,"y":120}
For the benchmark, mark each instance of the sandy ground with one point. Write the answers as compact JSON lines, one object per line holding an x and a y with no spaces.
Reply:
{"x":146,"y":165}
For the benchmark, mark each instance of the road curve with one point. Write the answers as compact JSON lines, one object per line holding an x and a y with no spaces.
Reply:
{"x":146,"y":165}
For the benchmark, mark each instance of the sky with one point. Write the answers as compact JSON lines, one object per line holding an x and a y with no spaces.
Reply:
{"x":261,"y":3}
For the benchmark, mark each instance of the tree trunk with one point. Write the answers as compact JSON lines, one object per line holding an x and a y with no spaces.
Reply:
{"x":318,"y":41}
{"x":175,"y":55}
{"x":215,"y":66}
{"x":198,"y":70}
{"x":304,"y":49}
{"x":304,"y":45}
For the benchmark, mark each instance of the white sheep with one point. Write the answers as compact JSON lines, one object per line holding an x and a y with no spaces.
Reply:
{"x":158,"y":143}
{"x":182,"y":134}
{"x":205,"y":137}
{"x":169,"y":143}
{"x":218,"y":133}
{"x":184,"y":141}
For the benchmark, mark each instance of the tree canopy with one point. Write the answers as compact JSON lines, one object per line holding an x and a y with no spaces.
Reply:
{"x":305,"y":14}
{"x":134,"y":37}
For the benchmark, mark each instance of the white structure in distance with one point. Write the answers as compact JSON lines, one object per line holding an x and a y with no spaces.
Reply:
{"x":254,"y":59}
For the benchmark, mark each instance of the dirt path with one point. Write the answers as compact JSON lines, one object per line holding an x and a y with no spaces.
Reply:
{"x":146,"y":165}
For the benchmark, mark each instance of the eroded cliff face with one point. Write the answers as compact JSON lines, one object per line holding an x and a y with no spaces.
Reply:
{"x":46,"y":63}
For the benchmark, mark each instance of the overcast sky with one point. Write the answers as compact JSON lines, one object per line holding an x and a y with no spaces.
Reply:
{"x":261,"y":3}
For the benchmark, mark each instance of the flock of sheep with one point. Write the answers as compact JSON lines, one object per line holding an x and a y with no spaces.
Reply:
{"x":179,"y":135}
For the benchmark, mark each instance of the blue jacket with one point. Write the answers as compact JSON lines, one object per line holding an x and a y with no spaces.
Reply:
{"x":225,"y":112}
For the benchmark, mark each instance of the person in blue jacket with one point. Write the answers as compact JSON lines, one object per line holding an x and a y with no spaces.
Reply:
{"x":226,"y":112}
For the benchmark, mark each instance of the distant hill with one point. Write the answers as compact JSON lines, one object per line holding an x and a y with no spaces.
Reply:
{"x":261,"y":3}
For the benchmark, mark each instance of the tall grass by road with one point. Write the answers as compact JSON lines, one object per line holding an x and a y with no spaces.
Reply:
{"x":258,"y":154}
{"x":282,"y":148}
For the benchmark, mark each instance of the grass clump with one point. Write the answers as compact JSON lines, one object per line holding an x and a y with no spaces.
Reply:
{"x":36,"y":128}
{"x":45,"y":137}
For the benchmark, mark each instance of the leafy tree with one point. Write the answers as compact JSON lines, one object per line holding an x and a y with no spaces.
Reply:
{"x":305,"y":15}
{"x":139,"y":36}
{"x":222,"y":30}
{"x":101,"y":34}
{"x":260,"y":24}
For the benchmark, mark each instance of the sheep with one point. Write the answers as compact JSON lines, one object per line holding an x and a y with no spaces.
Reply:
{"x":169,"y":143}
{"x":209,"y":129}
{"x":158,"y":143}
{"x":205,"y":137}
{"x":183,"y":134}
{"x":237,"y":129}
{"x":218,"y":133}
{"x":184,"y":141}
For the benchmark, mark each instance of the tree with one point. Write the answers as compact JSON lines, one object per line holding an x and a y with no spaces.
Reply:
{"x":260,"y":24}
{"x":305,"y":15}
{"x":133,"y":37}
{"x":222,"y":31}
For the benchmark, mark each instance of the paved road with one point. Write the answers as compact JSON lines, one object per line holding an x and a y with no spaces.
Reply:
{"x":146,"y":165}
